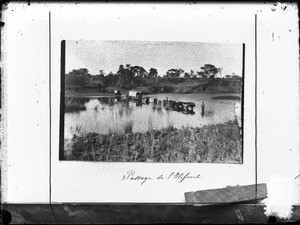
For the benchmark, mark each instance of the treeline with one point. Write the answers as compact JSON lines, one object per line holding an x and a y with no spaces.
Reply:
{"x":132,"y":76}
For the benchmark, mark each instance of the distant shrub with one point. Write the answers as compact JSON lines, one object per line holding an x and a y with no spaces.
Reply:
{"x":75,"y":104}
{"x":128,"y":127}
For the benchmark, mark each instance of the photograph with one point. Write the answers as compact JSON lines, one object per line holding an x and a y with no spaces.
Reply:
{"x":149,"y":113}
{"x":155,"y":102}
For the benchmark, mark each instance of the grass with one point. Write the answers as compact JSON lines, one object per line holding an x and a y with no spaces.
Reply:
{"x":219,"y":143}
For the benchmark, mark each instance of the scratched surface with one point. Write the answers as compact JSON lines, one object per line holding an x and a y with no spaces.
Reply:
{"x":139,"y":213}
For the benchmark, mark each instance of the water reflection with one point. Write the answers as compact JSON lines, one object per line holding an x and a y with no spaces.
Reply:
{"x":75,"y":104}
{"x":104,"y":115}
{"x":138,"y":103}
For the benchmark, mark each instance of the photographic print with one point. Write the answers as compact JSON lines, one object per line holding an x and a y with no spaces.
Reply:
{"x":155,"y":102}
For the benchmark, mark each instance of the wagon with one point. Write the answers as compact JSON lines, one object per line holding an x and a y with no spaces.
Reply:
{"x":135,"y":95}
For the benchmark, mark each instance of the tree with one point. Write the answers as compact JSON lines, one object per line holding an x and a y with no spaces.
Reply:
{"x":173,"y":73}
{"x":124,"y":76}
{"x":210,"y":70}
{"x":110,"y":79}
{"x":201,"y":74}
{"x":83,"y":71}
{"x":79,"y":77}
{"x":97,"y":81}
{"x":121,"y":67}
{"x":187,"y":75}
{"x":192,"y":73}
{"x":220,"y":71}
{"x":181,"y":72}
{"x":138,"y":71}
{"x":152,"y":72}
{"x":236,"y":77}
{"x":101,"y":72}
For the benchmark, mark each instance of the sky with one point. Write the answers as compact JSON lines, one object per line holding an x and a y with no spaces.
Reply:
{"x":108,"y":55}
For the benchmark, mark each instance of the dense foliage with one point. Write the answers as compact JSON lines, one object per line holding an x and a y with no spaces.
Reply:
{"x":219,"y":143}
{"x":132,"y":76}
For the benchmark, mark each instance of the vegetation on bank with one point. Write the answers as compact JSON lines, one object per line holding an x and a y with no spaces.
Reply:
{"x":227,"y":97}
{"x":75,"y":104}
{"x":218,"y":143}
{"x":136,"y":77}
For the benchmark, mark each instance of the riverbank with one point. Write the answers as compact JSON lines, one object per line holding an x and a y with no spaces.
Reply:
{"x":144,"y":90}
{"x":163,"y":85}
{"x":219,"y":143}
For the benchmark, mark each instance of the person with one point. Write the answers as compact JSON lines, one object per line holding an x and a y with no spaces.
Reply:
{"x":202,"y":109}
{"x":147,"y":100}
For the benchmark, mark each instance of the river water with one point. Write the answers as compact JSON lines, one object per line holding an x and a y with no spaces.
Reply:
{"x":112,"y":115}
